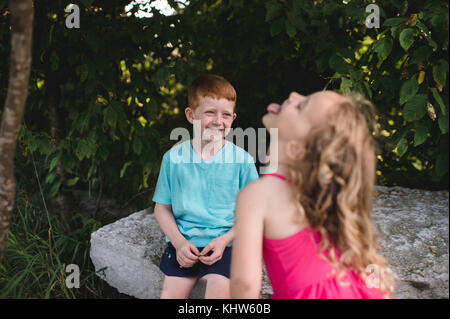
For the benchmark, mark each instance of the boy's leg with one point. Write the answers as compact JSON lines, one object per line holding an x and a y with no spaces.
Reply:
{"x":177,"y":287}
{"x":217,"y":287}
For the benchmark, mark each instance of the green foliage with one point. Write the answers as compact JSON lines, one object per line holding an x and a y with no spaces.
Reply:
{"x":120,"y":81}
{"x":402,"y":67}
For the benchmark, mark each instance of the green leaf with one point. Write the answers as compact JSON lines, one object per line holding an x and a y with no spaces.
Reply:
{"x":54,"y":161}
{"x":162,"y":75}
{"x":151,"y":108}
{"x":277,"y":26}
{"x":346,"y":86}
{"x":54,"y":61}
{"x":124,"y":168}
{"x":290,"y":29}
{"x":443,"y":123}
{"x":407,"y":38}
{"x":239,"y":3}
{"x":137,"y":145}
{"x":45,"y":144}
{"x":72,"y":181}
{"x":420,"y":54}
{"x":297,"y":6}
{"x":55,"y":189}
{"x":369,"y":90}
{"x":442,"y":163}
{"x":322,"y":62}
{"x":356,"y":75}
{"x":415,"y":108}
{"x":408,"y":89}
{"x":383,"y":47}
{"x":83,"y":72}
{"x":330,"y":8}
{"x":393,"y":22}
{"x":274,"y":10}
{"x":92,"y":170}
{"x":438,"y":22}
{"x":338,"y":64}
{"x":50,"y":178}
{"x":84,"y":149}
{"x":87,"y":3}
{"x":402,"y":146}
{"x":440,"y":71}
{"x":438,"y":99}
{"x":399,"y":136}
{"x":110,"y":116}
{"x":421,"y":134}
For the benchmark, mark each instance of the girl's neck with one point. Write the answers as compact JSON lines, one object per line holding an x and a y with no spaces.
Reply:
{"x":278,"y":162}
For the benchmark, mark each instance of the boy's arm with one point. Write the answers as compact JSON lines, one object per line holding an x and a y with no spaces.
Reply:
{"x":217,"y":245}
{"x":229,"y":236}
{"x":186,"y":251}
{"x":165,"y":219}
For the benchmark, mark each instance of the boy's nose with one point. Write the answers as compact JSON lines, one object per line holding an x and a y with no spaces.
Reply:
{"x":217,"y":120}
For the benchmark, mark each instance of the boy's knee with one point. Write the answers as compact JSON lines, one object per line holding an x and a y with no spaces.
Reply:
{"x":177,"y":287}
{"x":174,"y":294}
{"x":217,"y":287}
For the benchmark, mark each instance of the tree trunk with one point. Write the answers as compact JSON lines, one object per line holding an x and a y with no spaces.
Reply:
{"x":19,"y":73}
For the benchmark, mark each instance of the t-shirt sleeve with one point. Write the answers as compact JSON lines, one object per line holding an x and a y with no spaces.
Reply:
{"x":248,"y":174}
{"x":162,"y":191}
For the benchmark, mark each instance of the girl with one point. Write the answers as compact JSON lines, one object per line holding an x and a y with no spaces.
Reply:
{"x":310,"y":220}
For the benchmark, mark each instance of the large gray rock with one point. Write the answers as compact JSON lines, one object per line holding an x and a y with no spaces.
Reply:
{"x":413,"y":228}
{"x":414,"y":234}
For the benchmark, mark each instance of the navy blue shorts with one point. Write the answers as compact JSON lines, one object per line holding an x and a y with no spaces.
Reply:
{"x":170,"y":266}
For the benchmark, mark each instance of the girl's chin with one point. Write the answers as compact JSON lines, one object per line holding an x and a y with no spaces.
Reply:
{"x":265,"y":121}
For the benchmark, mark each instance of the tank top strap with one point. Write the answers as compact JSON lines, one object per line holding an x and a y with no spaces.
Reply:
{"x":280,"y":177}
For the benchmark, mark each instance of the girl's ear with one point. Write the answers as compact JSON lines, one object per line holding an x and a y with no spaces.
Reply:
{"x":294,"y":150}
{"x":189,"y":114}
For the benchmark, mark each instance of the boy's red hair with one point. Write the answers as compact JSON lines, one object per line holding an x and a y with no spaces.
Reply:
{"x":210,"y":85}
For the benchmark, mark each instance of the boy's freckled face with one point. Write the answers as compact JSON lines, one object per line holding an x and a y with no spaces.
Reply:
{"x":216,"y":116}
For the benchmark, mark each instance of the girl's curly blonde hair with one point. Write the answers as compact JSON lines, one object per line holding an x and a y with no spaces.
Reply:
{"x":335,"y":182}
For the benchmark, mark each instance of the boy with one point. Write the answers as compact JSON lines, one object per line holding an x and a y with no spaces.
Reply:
{"x":194,"y":198}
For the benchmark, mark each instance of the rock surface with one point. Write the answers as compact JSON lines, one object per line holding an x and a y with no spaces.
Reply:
{"x":414,"y":233}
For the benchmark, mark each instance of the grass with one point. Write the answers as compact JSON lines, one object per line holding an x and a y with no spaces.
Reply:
{"x":38,"y":250}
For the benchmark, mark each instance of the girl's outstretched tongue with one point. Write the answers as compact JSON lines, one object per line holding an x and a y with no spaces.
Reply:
{"x":273,"y":108}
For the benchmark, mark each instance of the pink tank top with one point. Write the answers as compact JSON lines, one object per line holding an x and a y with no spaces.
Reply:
{"x":296,"y":271}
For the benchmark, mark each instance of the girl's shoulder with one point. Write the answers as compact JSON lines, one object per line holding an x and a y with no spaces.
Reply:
{"x":255,"y":194}
{"x":261,"y":193}
{"x":258,"y":188}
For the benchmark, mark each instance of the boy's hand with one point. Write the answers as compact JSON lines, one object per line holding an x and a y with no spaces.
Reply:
{"x":217,"y":246}
{"x":187,"y":254}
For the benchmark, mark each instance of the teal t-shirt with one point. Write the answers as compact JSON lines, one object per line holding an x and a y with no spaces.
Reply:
{"x":203,"y":193}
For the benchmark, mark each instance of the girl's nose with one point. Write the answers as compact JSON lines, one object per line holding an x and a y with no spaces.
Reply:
{"x":295,"y":95}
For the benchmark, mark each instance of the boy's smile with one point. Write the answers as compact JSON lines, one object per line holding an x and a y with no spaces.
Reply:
{"x":216,"y":116}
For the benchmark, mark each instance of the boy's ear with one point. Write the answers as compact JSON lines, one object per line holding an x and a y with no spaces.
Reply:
{"x":294,"y":150}
{"x":234,"y":116}
{"x":189,"y":114}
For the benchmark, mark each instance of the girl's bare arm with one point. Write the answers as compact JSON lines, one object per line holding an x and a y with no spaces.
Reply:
{"x":246,"y":261}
